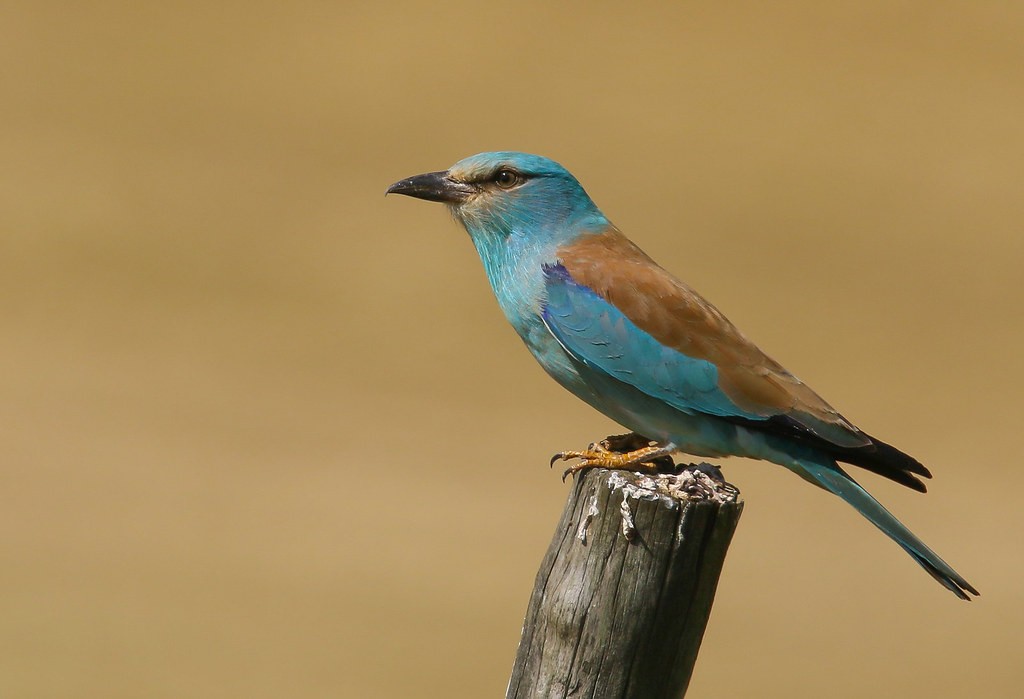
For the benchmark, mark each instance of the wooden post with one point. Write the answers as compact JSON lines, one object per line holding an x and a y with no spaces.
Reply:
{"x":622,"y":598}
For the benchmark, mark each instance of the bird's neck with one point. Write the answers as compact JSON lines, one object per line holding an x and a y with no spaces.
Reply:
{"x":514,"y":267}
{"x":514,"y":253}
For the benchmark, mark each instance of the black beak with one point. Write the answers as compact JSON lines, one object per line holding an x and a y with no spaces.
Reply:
{"x":433,"y":186}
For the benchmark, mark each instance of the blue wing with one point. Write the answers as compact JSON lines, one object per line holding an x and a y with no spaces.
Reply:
{"x":598,"y":334}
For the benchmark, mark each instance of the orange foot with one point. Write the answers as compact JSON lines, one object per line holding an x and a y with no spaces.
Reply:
{"x":600,"y":456}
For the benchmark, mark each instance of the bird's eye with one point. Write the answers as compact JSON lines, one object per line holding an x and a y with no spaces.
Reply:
{"x":507,"y":179}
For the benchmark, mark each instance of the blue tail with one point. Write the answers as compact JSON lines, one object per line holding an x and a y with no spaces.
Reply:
{"x":832,"y":478}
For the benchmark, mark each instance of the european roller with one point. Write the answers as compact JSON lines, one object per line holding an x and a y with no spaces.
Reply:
{"x":624,"y":335}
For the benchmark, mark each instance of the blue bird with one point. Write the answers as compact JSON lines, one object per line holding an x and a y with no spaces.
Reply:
{"x":621,"y":333}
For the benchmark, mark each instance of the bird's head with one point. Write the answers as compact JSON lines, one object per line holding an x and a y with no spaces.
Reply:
{"x":503,"y":194}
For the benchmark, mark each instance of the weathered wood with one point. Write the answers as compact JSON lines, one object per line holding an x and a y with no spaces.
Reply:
{"x":623,"y":596}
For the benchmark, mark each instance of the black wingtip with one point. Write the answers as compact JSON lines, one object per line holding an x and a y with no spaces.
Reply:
{"x":878,"y":457}
{"x":887,"y":461}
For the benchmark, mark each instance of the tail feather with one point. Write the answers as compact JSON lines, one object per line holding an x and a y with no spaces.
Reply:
{"x":835,"y":480}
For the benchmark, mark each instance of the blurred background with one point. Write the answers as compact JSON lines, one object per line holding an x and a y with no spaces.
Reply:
{"x":265,"y":433}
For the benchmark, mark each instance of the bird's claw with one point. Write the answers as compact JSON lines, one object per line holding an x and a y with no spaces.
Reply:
{"x":591,"y":457}
{"x":599,"y":456}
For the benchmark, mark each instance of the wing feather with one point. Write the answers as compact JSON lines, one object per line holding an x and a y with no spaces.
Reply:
{"x":614,"y":307}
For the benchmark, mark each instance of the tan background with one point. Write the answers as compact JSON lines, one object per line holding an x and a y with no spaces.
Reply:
{"x":266,"y":434}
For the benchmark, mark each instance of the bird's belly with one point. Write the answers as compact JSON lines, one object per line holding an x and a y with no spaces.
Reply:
{"x":695,"y":434}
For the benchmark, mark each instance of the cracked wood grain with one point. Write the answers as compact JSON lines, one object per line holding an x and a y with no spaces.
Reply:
{"x":625,"y":590}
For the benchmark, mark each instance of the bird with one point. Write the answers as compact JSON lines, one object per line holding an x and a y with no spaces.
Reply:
{"x":620,"y":332}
